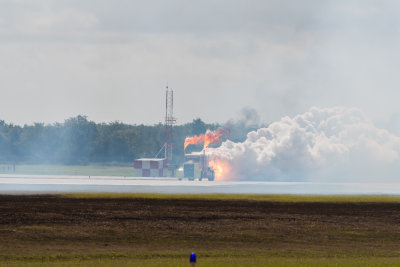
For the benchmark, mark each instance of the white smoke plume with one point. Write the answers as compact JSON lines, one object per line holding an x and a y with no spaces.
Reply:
{"x":329,"y":144}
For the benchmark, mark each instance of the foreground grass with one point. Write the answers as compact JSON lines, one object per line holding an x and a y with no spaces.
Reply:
{"x":251,"y":197}
{"x":173,"y":259}
{"x":223,"y":229}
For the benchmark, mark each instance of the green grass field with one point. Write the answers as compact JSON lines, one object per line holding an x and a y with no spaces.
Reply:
{"x":83,"y":170}
{"x":172,"y":259}
{"x":251,"y":197}
{"x":89,"y":234}
{"x":223,"y":229}
{"x":86,"y":170}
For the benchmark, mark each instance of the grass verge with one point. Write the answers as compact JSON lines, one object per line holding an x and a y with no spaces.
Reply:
{"x":85,"y":170}
{"x":251,"y":197}
{"x":224,"y":230}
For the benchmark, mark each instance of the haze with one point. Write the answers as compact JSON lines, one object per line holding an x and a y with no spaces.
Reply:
{"x":111,"y":60}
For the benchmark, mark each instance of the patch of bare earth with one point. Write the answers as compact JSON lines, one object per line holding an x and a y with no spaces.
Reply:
{"x":52,"y":224}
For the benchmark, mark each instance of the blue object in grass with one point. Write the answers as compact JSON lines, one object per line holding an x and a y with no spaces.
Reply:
{"x":193,"y":257}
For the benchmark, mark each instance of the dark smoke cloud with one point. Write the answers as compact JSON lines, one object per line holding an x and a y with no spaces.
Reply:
{"x":247,"y":120}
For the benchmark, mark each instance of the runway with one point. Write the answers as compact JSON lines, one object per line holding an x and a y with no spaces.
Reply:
{"x":32,"y":184}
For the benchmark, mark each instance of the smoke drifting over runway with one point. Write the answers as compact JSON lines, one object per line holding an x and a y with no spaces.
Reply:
{"x":329,"y":144}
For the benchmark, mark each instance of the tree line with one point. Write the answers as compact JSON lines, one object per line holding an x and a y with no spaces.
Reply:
{"x":79,"y":141}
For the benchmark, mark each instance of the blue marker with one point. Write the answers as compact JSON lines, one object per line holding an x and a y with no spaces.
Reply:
{"x":192,"y":259}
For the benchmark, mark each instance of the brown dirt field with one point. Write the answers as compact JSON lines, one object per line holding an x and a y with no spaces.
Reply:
{"x":31,"y":225}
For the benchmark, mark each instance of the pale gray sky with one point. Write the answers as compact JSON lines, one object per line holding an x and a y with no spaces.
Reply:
{"x":111,"y":60}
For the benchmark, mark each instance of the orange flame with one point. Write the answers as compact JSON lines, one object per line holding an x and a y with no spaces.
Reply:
{"x":208,"y":138}
{"x":222,"y":169}
{"x":212,"y":137}
{"x":194,"y":140}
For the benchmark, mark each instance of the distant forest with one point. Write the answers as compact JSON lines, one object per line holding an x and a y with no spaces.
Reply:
{"x":79,"y":141}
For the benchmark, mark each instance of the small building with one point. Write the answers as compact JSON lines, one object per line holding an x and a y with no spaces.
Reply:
{"x":150,"y":167}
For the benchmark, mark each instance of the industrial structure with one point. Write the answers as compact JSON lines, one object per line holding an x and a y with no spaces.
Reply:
{"x":196,"y":163}
{"x":159,"y":167}
{"x":169,"y":123}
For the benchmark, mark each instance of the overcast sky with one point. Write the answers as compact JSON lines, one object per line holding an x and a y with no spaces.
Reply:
{"x":111,"y":60}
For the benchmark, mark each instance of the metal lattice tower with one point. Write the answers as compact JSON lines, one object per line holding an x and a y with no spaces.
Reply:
{"x":169,"y":122}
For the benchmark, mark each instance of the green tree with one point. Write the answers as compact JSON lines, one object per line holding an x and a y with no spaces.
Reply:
{"x":198,"y":127}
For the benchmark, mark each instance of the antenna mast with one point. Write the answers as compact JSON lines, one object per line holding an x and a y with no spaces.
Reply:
{"x":169,"y":122}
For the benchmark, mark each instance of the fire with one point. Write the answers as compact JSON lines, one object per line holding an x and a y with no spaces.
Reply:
{"x":212,"y":137}
{"x":207,"y":139}
{"x":222,"y":169}
{"x":194,"y":140}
